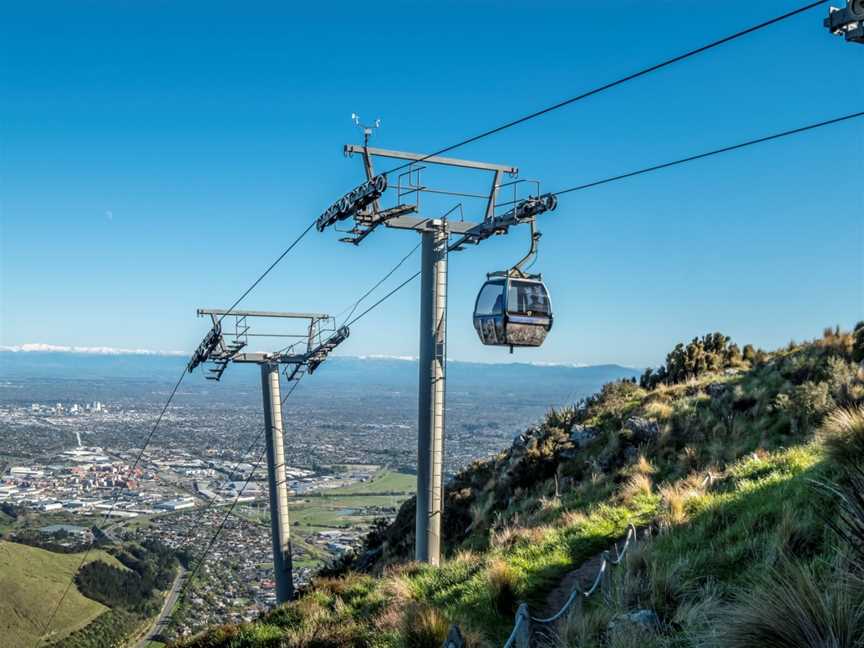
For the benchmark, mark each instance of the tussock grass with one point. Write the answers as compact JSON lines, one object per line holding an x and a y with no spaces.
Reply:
{"x":713,"y":542}
{"x":660,"y":410}
{"x":423,"y":626}
{"x":674,"y":500}
{"x":502,"y":587}
{"x":638,"y":485}
{"x":843,"y":435}
{"x":795,"y":608}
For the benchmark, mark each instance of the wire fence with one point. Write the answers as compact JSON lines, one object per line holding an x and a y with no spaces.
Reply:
{"x":525,"y":625}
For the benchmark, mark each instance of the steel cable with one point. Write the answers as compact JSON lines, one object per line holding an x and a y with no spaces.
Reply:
{"x":202,"y":556}
{"x":617,"y":82}
{"x":149,"y":437}
{"x":711,"y":153}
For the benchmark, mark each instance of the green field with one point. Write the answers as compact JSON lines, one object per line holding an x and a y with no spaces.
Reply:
{"x":31,"y":519}
{"x":329,"y":509}
{"x":31,"y":583}
{"x":384,"y":481}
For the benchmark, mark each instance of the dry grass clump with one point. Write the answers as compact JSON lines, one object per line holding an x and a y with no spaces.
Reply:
{"x":479,"y":510}
{"x":659,"y":410}
{"x":502,"y":588}
{"x":399,"y":588}
{"x":505,"y":535}
{"x":572,"y":519}
{"x":638,"y":484}
{"x":549,"y":504}
{"x":792,"y":609}
{"x":843,"y":436}
{"x":580,"y":627}
{"x":423,"y":626}
{"x":642,"y":466}
{"x":674,"y":498}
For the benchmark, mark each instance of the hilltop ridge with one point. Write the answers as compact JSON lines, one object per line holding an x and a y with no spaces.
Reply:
{"x":717,"y":454}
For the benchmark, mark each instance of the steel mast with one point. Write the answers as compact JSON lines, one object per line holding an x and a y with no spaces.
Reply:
{"x":317,"y":338}
{"x":363,"y":205}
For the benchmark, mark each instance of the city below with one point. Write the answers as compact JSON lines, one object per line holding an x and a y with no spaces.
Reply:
{"x":72,"y":462}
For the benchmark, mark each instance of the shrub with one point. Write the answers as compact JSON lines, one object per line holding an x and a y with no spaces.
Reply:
{"x":806,"y":405}
{"x":711,"y":352}
{"x":858,"y":342}
{"x":841,"y":379}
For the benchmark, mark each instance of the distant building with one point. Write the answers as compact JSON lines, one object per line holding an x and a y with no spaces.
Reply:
{"x":7,"y":491}
{"x":25,"y":472}
{"x":85,"y":455}
{"x":71,"y":529}
{"x":338,"y":548}
{"x":178,"y":504}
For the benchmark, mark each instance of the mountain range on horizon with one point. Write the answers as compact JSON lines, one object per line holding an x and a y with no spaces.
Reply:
{"x":72,"y":362}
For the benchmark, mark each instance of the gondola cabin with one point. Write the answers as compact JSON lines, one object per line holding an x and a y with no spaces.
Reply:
{"x":513,"y":311}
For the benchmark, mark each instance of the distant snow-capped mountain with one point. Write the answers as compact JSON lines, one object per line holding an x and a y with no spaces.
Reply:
{"x":37,"y":347}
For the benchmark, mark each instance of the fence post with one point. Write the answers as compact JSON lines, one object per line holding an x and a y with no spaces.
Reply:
{"x":606,"y":580}
{"x":523,"y":622}
{"x":454,"y":638}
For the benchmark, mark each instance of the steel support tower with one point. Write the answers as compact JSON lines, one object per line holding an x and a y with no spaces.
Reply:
{"x":430,"y":421}
{"x":318,"y":337}
{"x":363,"y":204}
{"x":276,"y":482}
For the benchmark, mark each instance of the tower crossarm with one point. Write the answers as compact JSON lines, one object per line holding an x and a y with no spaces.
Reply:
{"x":523,"y":212}
{"x":319,"y":354}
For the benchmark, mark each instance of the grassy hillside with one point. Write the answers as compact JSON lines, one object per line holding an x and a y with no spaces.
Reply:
{"x":737,"y":461}
{"x":31,"y":582}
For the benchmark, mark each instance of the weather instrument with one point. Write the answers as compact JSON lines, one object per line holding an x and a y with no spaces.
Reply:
{"x":847,"y":21}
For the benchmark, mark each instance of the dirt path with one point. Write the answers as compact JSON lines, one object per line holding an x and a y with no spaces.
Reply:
{"x":584,"y":575}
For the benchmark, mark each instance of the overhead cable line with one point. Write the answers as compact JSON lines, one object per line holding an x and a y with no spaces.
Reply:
{"x":617,"y":82}
{"x":700,"y":156}
{"x":389,"y":274}
{"x":267,"y":271}
{"x":385,"y":298}
{"x":158,"y":421}
{"x":202,"y":556}
{"x":657,"y":167}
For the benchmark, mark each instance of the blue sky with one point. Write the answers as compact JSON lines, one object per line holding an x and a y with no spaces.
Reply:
{"x":155,"y":157}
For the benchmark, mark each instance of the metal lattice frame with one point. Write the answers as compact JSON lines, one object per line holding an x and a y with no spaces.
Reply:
{"x":363,"y":206}
{"x":225,"y":345}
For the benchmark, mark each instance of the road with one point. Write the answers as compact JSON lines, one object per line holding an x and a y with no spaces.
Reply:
{"x":161,"y":621}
